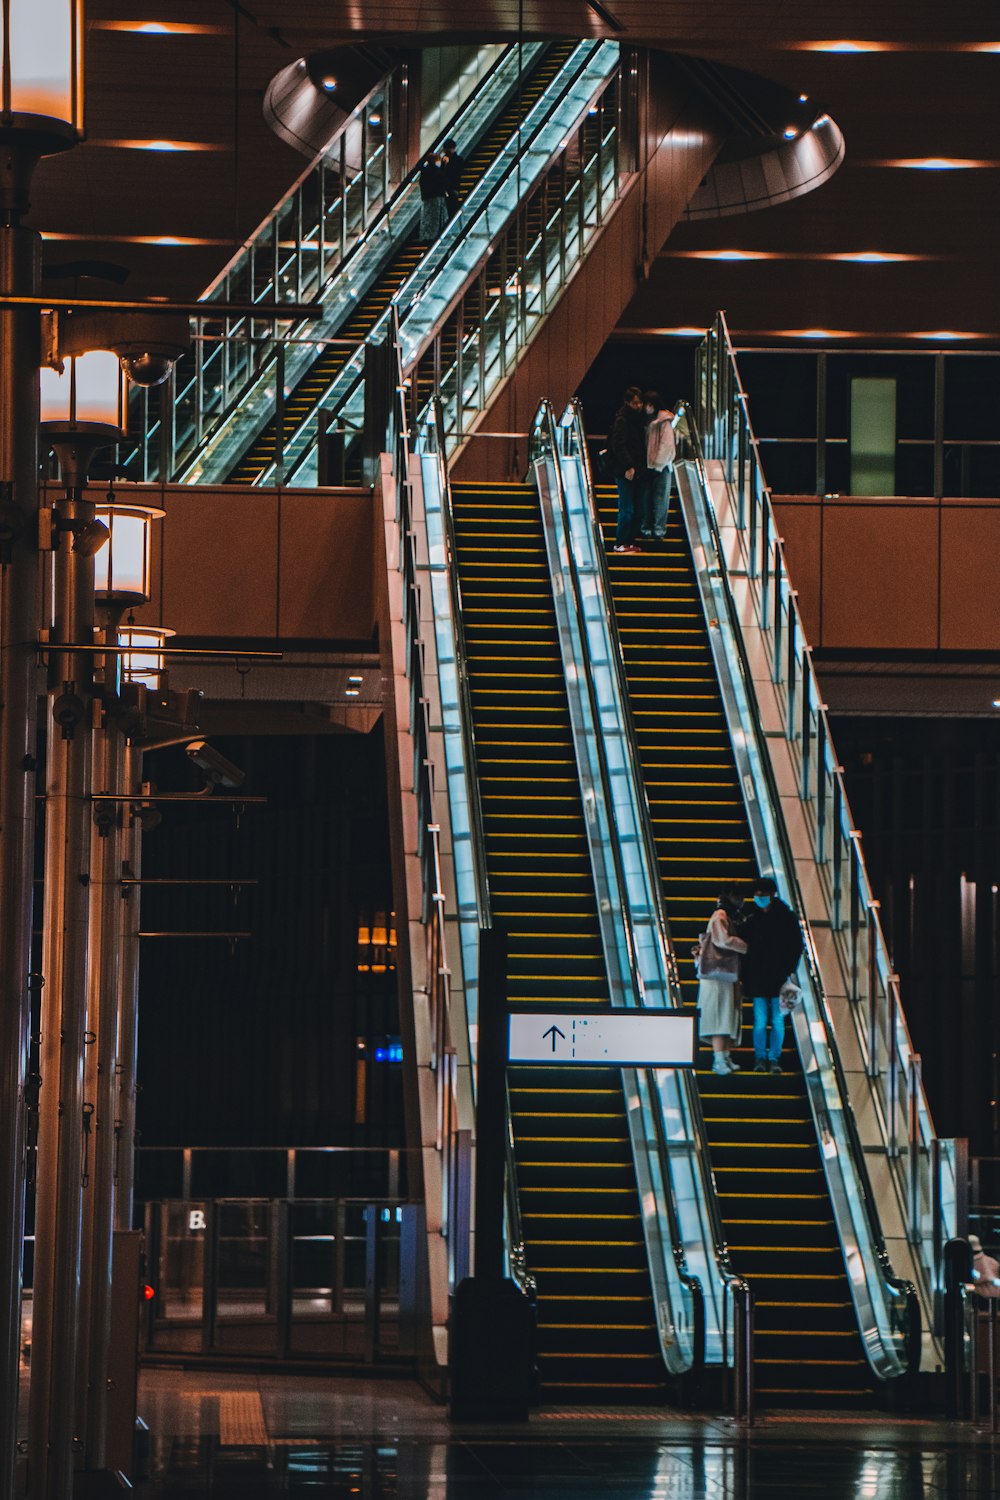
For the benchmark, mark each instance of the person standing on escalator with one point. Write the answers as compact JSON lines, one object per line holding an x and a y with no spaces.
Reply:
{"x":452,"y":165}
{"x":717,"y":960}
{"x":433,"y":209}
{"x":627,"y":445}
{"x":774,"y":946}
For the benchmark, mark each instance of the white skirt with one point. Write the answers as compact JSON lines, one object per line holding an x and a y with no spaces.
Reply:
{"x":718,"y":1012}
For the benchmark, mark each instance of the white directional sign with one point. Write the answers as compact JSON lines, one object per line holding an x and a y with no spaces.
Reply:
{"x":620,"y":1038}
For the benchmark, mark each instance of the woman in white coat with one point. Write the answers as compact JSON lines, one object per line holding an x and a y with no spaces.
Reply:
{"x":718,"y":983}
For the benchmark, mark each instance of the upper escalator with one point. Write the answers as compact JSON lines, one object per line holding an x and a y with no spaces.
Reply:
{"x":404,"y":255}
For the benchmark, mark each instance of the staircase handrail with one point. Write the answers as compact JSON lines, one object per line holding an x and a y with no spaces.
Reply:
{"x":545,"y":450}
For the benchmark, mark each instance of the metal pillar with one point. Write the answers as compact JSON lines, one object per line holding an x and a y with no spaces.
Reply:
{"x":19,"y":358}
{"x":128,"y":991}
{"x":64,"y":1143}
{"x":101,"y":1081}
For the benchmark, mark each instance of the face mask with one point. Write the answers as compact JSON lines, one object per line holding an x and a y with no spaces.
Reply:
{"x":762,"y":901}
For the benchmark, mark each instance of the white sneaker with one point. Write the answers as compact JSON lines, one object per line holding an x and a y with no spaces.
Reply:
{"x":734,"y":1067}
{"x":719,"y":1066}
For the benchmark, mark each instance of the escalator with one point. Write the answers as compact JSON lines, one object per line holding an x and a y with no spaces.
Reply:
{"x":775,"y":1206}
{"x":304,"y":398}
{"x":576,"y":1179}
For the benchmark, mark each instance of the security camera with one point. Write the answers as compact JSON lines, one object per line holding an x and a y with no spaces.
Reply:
{"x":147,"y":367}
{"x":216,"y":769}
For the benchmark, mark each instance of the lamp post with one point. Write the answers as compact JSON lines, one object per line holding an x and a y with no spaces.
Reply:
{"x":81,"y":409}
{"x":40,"y":113}
{"x":142,"y":666}
{"x":122,"y":580}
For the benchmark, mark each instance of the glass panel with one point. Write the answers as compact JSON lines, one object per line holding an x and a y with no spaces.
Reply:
{"x":890,"y":1070}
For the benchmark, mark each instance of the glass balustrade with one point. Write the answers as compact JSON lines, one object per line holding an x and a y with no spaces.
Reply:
{"x":673,"y":1178}
{"x":479,"y":295}
{"x":868,"y":1025}
{"x":354,"y":206}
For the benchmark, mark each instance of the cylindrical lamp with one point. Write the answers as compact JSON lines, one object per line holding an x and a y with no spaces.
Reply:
{"x":143,"y":659}
{"x":42,"y":66}
{"x":122,"y":568}
{"x":89,"y":389}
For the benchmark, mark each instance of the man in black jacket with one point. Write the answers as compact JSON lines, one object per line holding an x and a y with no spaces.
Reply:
{"x":774,"y":943}
{"x":452,"y":167}
{"x":627,"y":444}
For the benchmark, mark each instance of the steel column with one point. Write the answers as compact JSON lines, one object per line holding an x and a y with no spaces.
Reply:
{"x":61,"y":1137}
{"x":20,"y":254}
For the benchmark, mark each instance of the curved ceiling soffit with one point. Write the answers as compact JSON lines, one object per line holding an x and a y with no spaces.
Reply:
{"x":759,"y":166}
{"x":783,"y":171}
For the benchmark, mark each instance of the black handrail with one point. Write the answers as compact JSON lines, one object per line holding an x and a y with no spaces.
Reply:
{"x":734,"y":1284}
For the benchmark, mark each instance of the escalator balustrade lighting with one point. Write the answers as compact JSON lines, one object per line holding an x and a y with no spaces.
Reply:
{"x":307,"y":395}
{"x":776,"y":1211}
{"x":576,"y":1180}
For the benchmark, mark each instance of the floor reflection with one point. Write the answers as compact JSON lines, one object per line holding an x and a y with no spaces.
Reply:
{"x":758,"y":1468}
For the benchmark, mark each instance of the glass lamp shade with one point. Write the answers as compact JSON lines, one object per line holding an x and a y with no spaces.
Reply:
{"x":122,"y":566}
{"x":88,"y":390}
{"x":142,"y":660}
{"x":43,"y":60}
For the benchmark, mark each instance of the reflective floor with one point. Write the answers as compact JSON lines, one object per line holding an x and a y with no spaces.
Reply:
{"x":250,"y":1436}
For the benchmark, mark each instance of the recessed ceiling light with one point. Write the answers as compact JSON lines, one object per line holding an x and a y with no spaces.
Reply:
{"x":936,"y":163}
{"x":329,"y":84}
{"x":133,"y":144}
{"x":803,"y":98}
{"x":134,"y":239}
{"x":160,"y":28}
{"x":790,"y":132}
{"x":843,"y":46}
{"x":872,"y":257}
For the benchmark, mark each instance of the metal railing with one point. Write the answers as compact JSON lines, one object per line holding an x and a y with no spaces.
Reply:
{"x":479,"y":295}
{"x":673,"y":1105}
{"x":452,"y":1142}
{"x":925,"y":1173}
{"x":327,"y":239}
{"x":330,"y":1279}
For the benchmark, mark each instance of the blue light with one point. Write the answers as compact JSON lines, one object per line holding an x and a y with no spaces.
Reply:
{"x":393,"y":1053}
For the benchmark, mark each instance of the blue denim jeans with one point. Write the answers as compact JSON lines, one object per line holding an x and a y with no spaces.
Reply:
{"x":768,"y":1009}
{"x":629,"y":500}
{"x":656,"y":501}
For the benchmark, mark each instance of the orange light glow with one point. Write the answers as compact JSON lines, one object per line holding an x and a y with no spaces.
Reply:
{"x":157,"y":145}
{"x":842,"y":46}
{"x":860,"y":257}
{"x":160,"y":28}
{"x":935,"y":163}
{"x":172,"y":240}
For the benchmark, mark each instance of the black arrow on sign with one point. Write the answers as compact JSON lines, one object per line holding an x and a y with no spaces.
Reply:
{"x":553,"y":1032}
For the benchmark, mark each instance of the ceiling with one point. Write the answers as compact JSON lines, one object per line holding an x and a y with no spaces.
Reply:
{"x":923,"y":93}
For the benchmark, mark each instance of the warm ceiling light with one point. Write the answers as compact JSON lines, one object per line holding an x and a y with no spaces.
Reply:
{"x":843,"y":46}
{"x":936,"y":163}
{"x":158,"y":145}
{"x":134,"y":239}
{"x":329,"y":84}
{"x":871,"y":257}
{"x":160,"y":28}
{"x":790,"y":132}
{"x":803,"y":98}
